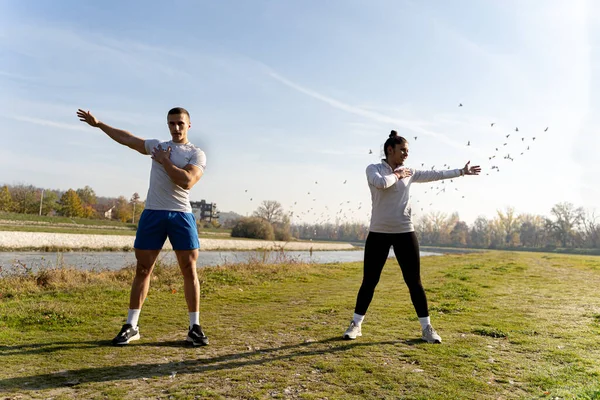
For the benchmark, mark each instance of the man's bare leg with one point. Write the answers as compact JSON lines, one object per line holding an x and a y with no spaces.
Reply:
{"x":139,"y":291}
{"x":141,"y":282}
{"x":191,"y":287}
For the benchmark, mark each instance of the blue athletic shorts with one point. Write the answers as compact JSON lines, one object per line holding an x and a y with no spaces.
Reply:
{"x":155,"y":225}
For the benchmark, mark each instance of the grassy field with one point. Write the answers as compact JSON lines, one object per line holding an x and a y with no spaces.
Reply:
{"x":62,"y":220}
{"x":35,"y":223}
{"x":99,"y":231}
{"x":514,"y":325}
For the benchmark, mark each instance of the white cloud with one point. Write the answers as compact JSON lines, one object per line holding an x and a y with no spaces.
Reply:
{"x":52,"y":124}
{"x":415,"y":126}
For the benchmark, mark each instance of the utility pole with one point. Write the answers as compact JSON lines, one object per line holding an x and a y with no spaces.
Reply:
{"x":41,"y":200}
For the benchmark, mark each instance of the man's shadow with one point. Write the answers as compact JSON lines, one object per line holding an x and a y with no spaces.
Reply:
{"x":51,"y":347}
{"x":137,"y":371}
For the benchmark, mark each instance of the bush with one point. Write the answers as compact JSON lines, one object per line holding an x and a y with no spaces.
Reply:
{"x":253,"y":228}
{"x":283,"y":234}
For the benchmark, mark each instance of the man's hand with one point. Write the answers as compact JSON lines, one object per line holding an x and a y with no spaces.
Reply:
{"x":160,"y":155}
{"x":86,"y":116}
{"x":403,"y":173}
{"x":474,"y":170}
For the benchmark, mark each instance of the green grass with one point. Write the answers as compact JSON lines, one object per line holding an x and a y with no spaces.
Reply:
{"x":62,"y":220}
{"x":62,"y":229}
{"x":514,"y":325}
{"x":93,"y":231}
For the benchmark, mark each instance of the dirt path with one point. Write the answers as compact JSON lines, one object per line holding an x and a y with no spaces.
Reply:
{"x":41,"y":240}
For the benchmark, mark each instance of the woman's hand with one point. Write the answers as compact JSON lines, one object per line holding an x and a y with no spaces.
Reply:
{"x":474,"y":170}
{"x":403,"y":173}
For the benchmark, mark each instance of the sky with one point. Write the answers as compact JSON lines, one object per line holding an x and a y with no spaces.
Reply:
{"x":289,"y":98}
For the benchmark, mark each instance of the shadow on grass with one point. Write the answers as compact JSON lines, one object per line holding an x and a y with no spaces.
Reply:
{"x":51,"y":347}
{"x":157,"y":370}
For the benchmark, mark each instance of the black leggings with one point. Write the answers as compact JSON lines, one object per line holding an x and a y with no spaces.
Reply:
{"x":406,"y":249}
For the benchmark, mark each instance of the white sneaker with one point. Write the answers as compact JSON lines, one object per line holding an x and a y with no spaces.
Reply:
{"x":430,"y":335}
{"x":352,"y":332}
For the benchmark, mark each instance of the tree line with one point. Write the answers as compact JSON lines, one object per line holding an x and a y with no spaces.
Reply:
{"x":567,"y":226}
{"x":82,"y":203}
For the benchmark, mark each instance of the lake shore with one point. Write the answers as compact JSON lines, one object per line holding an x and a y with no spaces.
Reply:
{"x":44,"y":241}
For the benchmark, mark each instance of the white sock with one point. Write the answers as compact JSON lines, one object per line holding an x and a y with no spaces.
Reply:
{"x":194,"y":318}
{"x":358,"y":319}
{"x":132,"y":317}
{"x":424,"y":322}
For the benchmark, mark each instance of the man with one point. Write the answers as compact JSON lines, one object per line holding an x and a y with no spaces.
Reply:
{"x":176,"y":167}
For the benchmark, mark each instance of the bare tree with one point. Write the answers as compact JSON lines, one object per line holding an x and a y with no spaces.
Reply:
{"x":460,"y":234}
{"x":532,"y":232}
{"x":480,"y":232}
{"x":509,"y":223}
{"x":134,"y":200}
{"x":567,"y":217}
{"x":591,"y":229}
{"x":270,"y":210}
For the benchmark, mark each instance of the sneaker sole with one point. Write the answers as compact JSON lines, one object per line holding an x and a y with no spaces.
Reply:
{"x":348,"y":337}
{"x":131,"y":339}
{"x":190,"y":340}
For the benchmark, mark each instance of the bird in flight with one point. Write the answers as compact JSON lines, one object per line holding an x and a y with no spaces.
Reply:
{"x":460,"y":104}
{"x":469,"y":143}
{"x":546,"y":130}
{"x":517,"y":129}
{"x":370,"y":151}
{"x":492,"y":124}
{"x":507,"y":135}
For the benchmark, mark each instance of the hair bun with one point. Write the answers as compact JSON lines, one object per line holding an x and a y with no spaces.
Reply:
{"x":393,"y":134}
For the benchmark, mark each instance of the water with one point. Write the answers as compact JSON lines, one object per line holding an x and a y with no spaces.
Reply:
{"x":118,"y":260}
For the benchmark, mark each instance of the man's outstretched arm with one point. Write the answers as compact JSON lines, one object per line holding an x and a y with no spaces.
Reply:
{"x":120,"y":136}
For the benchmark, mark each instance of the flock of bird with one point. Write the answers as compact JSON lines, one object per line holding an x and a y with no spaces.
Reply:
{"x":350,"y":211}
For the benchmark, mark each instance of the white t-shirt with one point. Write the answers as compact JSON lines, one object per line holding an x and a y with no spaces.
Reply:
{"x":163,"y":193}
{"x":391,"y":212}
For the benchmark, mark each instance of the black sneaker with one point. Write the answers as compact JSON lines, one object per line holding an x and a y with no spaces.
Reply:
{"x":127,"y":334}
{"x":196,"y":336}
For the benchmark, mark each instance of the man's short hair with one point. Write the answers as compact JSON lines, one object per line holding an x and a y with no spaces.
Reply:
{"x":177,"y":111}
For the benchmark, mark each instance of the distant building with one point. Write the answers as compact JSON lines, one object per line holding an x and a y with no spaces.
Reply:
{"x":105,"y":210}
{"x":108,"y":213}
{"x":205,"y":211}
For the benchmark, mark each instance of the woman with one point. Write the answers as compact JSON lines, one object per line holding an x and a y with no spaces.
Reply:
{"x":391,"y":225}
